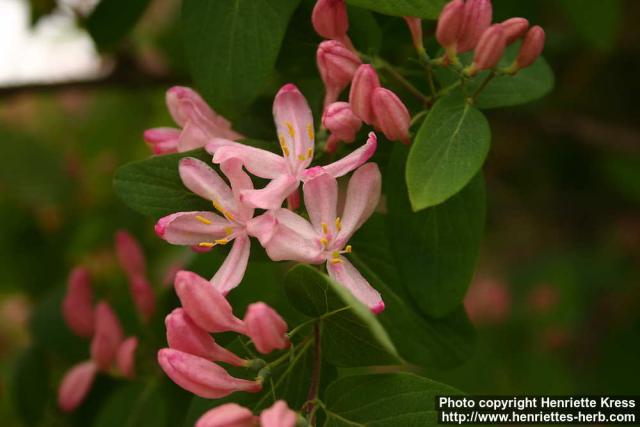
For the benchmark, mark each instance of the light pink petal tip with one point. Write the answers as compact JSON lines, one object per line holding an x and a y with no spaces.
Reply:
{"x":228,"y":415}
{"x":126,"y":357}
{"x":348,"y":276}
{"x":75,"y":385}
{"x":278,"y":415}
{"x":231,"y":272}
{"x":353,"y":160}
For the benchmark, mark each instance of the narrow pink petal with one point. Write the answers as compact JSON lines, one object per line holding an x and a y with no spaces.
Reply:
{"x":231,"y":272}
{"x":259,"y":162}
{"x":130,"y":254}
{"x":192,"y":228}
{"x":262,"y":227}
{"x":348,"y":276}
{"x":363,"y":195}
{"x":271,"y":196}
{"x":75,"y":385}
{"x":294,"y":122}
{"x":126,"y":357}
{"x":198,"y":177}
{"x":77,"y":306}
{"x":192,"y":136}
{"x":239,"y":181}
{"x":321,"y":200}
{"x":182,"y":103}
{"x":143,"y":296}
{"x":107,"y":337}
{"x":278,"y":415}
{"x":294,"y":239}
{"x":354,"y":159}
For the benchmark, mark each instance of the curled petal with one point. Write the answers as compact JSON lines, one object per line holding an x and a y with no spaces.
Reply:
{"x":231,"y":272}
{"x":126,"y":357}
{"x":198,"y":177}
{"x":352,"y":160}
{"x":259,"y":162}
{"x":77,"y":306}
{"x":162,"y":140}
{"x":271,"y":196}
{"x":262,"y":227}
{"x":227,"y":415}
{"x":321,"y":200}
{"x":294,"y":239}
{"x":192,"y":228}
{"x":76,"y":385}
{"x":239,"y":181}
{"x":107,"y":337}
{"x":348,"y":276}
{"x":278,"y":415}
{"x":294,"y":123}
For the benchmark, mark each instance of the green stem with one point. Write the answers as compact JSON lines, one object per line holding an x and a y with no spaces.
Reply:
{"x":314,"y":386}
{"x":483,"y":85}
{"x":390,"y":69}
{"x":417,"y":117}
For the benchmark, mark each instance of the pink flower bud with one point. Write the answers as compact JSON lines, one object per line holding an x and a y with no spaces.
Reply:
{"x":202,"y":377}
{"x":130,"y":254}
{"x":228,"y":415}
{"x":415,"y":26}
{"x":477,"y":18}
{"x":126,"y":357}
{"x":450,"y":24}
{"x":365,"y":81}
{"x":75,"y":385}
{"x":184,"y":335}
{"x":162,"y":140}
{"x":107,"y":338}
{"x":266,"y":328}
{"x":392,"y":117}
{"x":205,"y":305}
{"x":488,"y":302}
{"x":514,"y":28}
{"x":329,"y":19}
{"x":279,"y":415}
{"x":143,"y":296}
{"x":339,"y":119}
{"x":531,"y":47}
{"x":337,"y":65}
{"x":77,"y":306}
{"x":489,"y":50}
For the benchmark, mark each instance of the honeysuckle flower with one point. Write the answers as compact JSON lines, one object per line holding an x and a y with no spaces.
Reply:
{"x":324,"y":238}
{"x":143,"y":297}
{"x":198,"y":121}
{"x":107,"y":337}
{"x":75,"y":385}
{"x":294,"y":123}
{"x":266,"y":328}
{"x":365,"y":82}
{"x":514,"y":28}
{"x":77,"y":306}
{"x":337,"y":65}
{"x":392,"y":116}
{"x":278,"y":415}
{"x":205,"y":229}
{"x":126,"y":357}
{"x":450,"y":25}
{"x":228,"y":415}
{"x":415,"y":27}
{"x":531,"y":48}
{"x":477,"y":18}
{"x":489,"y":49}
{"x":130,"y":254}
{"x":330,"y":20}
{"x":343,"y":124}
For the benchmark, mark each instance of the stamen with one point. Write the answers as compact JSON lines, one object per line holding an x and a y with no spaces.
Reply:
{"x":217,"y":206}
{"x":206,"y":244}
{"x":228,"y":231}
{"x":338,"y":224}
{"x":301,"y":157}
{"x":309,"y":153}
{"x":336,"y":261}
{"x":310,"y":131}
{"x":283,"y":145}
{"x":325,"y":228}
{"x":348,"y":249}
{"x":292,"y":131}
{"x":221,"y":241}
{"x":203,"y":220}
{"x":324,"y":242}
{"x":228,"y":215}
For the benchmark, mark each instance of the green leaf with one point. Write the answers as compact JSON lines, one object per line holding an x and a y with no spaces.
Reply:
{"x":435,"y":249}
{"x":429,"y":9}
{"x":134,"y":405}
{"x":447,"y":152}
{"x":30,"y":385}
{"x":111,"y":20}
{"x":351,"y":334}
{"x":393,"y":400}
{"x":232,"y":47}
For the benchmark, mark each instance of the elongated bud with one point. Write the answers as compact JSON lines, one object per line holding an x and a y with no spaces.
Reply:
{"x":205,"y":305}
{"x":415,"y":27}
{"x":143,"y":296}
{"x":130,"y":254}
{"x":266,"y":328}
{"x":514,"y":28}
{"x":162,"y":140}
{"x":365,"y":81}
{"x":489,"y":50}
{"x":75,"y":385}
{"x":337,"y":65}
{"x":278,"y":415}
{"x":107,"y":338}
{"x":392,"y":116}
{"x":202,"y":377}
{"x":340,"y":120}
{"x":450,"y":25}
{"x":77,"y":306}
{"x":477,"y":18}
{"x":228,"y":415}
{"x":330,"y":20}
{"x":126,"y":357}
{"x":531,"y":48}
{"x":184,"y":335}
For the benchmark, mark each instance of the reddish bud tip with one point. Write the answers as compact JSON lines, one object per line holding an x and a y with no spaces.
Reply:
{"x":477,"y":18}
{"x":228,"y":415}
{"x":107,"y":337}
{"x":450,"y":23}
{"x":415,"y":27}
{"x":490,"y":48}
{"x":278,"y":415}
{"x":77,"y":306}
{"x":365,"y":81}
{"x":337,"y":65}
{"x":266,"y":328}
{"x":130,"y":254}
{"x":340,"y":120}
{"x":514,"y":28}
{"x":531,"y":48}
{"x":392,"y":116}
{"x":329,"y":19}
{"x":126,"y":357}
{"x":75,"y":385}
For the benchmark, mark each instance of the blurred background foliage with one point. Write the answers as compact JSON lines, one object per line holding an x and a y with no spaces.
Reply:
{"x":556,"y":298}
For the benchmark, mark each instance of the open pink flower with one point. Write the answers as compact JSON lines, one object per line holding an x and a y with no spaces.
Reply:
{"x":198,"y":121}
{"x":325,"y":237}
{"x":205,"y":229}
{"x":294,"y":123}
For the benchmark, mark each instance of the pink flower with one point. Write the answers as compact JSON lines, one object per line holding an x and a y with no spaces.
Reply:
{"x":77,"y":306}
{"x":107,"y":338}
{"x":531,"y":48}
{"x":266,"y":328}
{"x":415,"y":27}
{"x":392,"y":116}
{"x":205,"y":305}
{"x":343,"y":124}
{"x":76,"y":385}
{"x":488,"y":301}
{"x":228,"y":415}
{"x":126,"y":357}
{"x":514,"y":28}
{"x":330,"y":20}
{"x":365,"y":81}
{"x":450,"y":25}
{"x":296,"y":135}
{"x":278,"y":415}
{"x":489,"y":49}
{"x":202,"y":377}
{"x":184,"y":335}
{"x":204,"y":229}
{"x":477,"y":18}
{"x":198,"y":121}
{"x":130,"y":254}
{"x":337,"y":65}
{"x":325,"y":237}
{"x":143,"y":297}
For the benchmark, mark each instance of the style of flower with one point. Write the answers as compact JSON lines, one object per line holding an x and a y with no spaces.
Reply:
{"x":294,"y":123}
{"x":324,"y":238}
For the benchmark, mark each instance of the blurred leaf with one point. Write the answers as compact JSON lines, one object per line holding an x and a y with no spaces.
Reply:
{"x":40,"y":8}
{"x":134,"y":405}
{"x":31,"y":385}
{"x":429,"y":9}
{"x":597,"y":22}
{"x":112,"y":20}
{"x":435,"y":249}
{"x":351,"y":334}
{"x":393,"y":400}
{"x":232,"y":47}
{"x":448,"y":151}
{"x":364,"y":30}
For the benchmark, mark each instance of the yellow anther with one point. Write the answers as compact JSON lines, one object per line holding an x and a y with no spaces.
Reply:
{"x":338,"y":224}
{"x":203,"y":220}
{"x":301,"y":157}
{"x":309,"y":153}
{"x":325,"y":228}
{"x":310,"y":131}
{"x":217,"y":206}
{"x":221,"y":241}
{"x":335,"y":261}
{"x":348,"y":249}
{"x":324,"y":242}
{"x":228,"y":231}
{"x":292,"y":131}
{"x":206,"y":244}
{"x":228,"y":215}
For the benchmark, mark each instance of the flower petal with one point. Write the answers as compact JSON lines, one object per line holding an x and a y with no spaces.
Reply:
{"x":75,"y":385}
{"x":231,"y":272}
{"x":354,"y":159}
{"x":262,"y":227}
{"x":192,"y":136}
{"x":321,"y":200}
{"x":198,"y":177}
{"x":259,"y":162}
{"x":162,"y":140}
{"x":192,"y":228}
{"x":294,"y":123}
{"x":271,"y":196}
{"x":348,"y":276}
{"x":293,"y":239}
{"x":239,"y":181}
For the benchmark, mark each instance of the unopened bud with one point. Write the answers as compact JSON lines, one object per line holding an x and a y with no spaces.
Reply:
{"x":531,"y":48}
{"x":75,"y":385}
{"x":365,"y":81}
{"x":143,"y":296}
{"x":477,"y":18}
{"x":415,"y":26}
{"x":450,"y":25}
{"x":489,"y":50}
{"x":514,"y":28}
{"x":329,"y":19}
{"x":392,"y":116}
{"x":337,"y":65}
{"x":340,"y":120}
{"x":130,"y":254}
{"x":162,"y":140}
{"x":228,"y":415}
{"x":107,"y":338}
{"x":278,"y":415}
{"x":126,"y":357}
{"x":77,"y":306}
{"x":266,"y":328}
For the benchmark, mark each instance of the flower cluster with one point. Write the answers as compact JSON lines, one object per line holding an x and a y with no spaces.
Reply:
{"x":110,"y":351}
